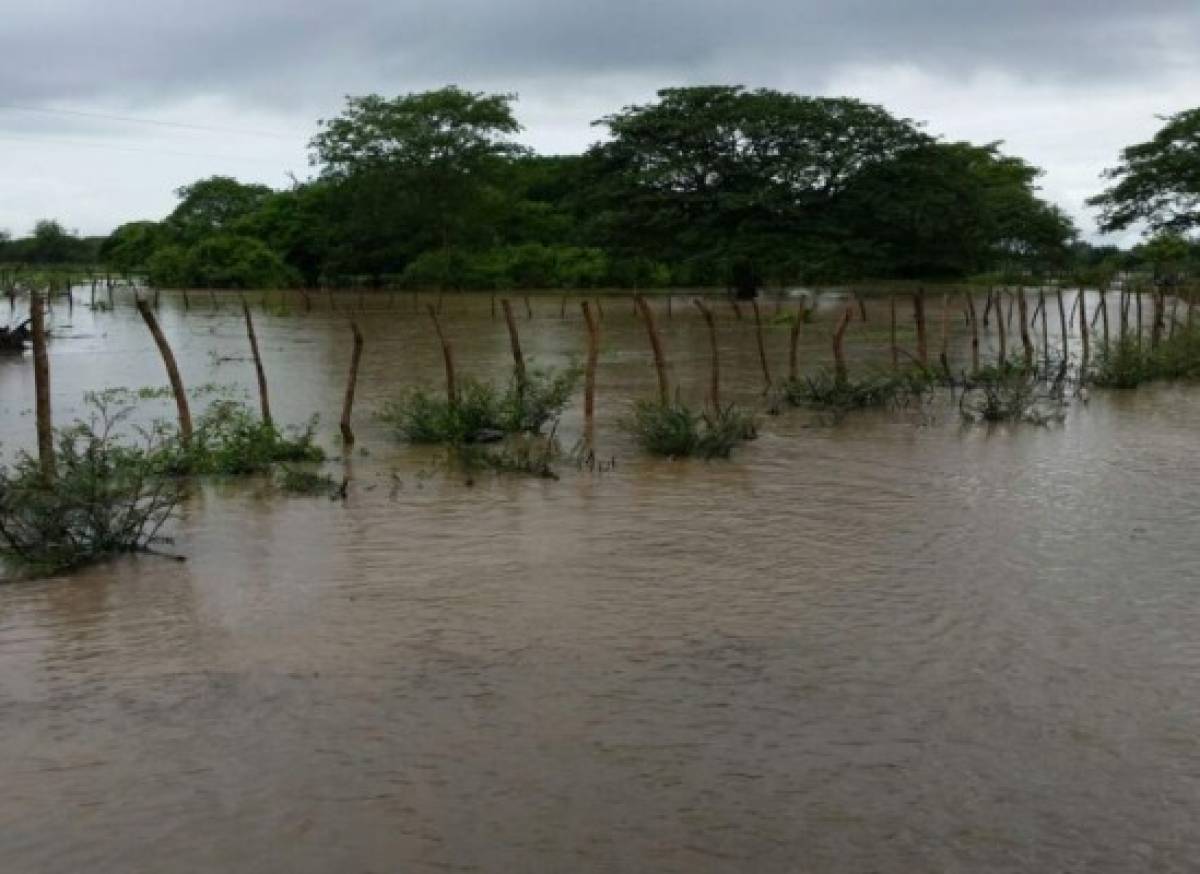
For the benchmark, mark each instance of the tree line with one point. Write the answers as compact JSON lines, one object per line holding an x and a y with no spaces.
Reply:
{"x":704,"y":186}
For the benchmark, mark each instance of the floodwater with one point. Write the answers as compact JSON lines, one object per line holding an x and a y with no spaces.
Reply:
{"x":885,"y":644}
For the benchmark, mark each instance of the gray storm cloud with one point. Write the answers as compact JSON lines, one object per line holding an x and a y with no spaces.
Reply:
{"x":273,"y":50}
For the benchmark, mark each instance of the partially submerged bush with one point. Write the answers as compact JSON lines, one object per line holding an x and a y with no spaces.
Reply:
{"x":526,"y":454}
{"x":230,"y":441}
{"x":1009,"y":393}
{"x":676,"y":431}
{"x":1127,"y":363}
{"x":310,"y":483}
{"x":481,"y":414}
{"x":826,"y":391}
{"x":108,"y":496}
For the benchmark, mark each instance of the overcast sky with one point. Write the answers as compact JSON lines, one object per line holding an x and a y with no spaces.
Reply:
{"x":1065,"y":83}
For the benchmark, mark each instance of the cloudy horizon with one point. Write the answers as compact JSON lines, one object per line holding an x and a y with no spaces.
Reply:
{"x":106,"y":110}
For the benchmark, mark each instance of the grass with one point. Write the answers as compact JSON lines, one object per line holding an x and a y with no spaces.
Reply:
{"x":676,"y":431}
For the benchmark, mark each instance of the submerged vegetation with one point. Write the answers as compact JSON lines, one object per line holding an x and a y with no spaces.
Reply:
{"x":826,"y":391}
{"x":1127,"y":363}
{"x":108,"y":494}
{"x":480,"y":413}
{"x":230,"y":441}
{"x":674,"y":430}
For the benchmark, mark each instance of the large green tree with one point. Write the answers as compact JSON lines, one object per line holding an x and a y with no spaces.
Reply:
{"x":212,"y":206}
{"x":1157,"y":182}
{"x":738,"y":177}
{"x":416,"y":172}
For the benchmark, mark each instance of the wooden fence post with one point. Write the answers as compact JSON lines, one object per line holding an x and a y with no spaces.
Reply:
{"x":168,"y":357}
{"x":660,"y":363}
{"x":264,"y":401}
{"x":41,"y":380}
{"x":715,"y":386}
{"x":351,"y":384}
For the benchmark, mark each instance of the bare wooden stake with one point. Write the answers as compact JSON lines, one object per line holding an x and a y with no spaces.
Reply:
{"x":589,"y":373}
{"x":528,"y":309}
{"x":794,"y":348}
{"x":895,"y":346}
{"x":762,"y":349}
{"x":447,"y":358}
{"x":839,"y":351}
{"x":168,"y":357}
{"x":352,"y":383}
{"x":944,"y":355}
{"x":41,"y":381}
{"x":919,"y":317}
{"x":1085,"y":345}
{"x":514,"y":340}
{"x":1026,"y":340}
{"x":660,"y":362}
{"x":1104,"y":314}
{"x":1062,"y":322}
{"x":862,"y":308}
{"x":1001,"y":333}
{"x":974,"y":320}
{"x":714,"y":391}
{"x":264,"y":400}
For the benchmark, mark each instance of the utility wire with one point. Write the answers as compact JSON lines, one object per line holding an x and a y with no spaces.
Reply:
{"x":127,"y":119}
{"x":94,"y":145}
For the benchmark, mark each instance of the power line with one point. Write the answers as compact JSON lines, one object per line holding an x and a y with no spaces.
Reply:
{"x":128,"y":119}
{"x":94,"y":145}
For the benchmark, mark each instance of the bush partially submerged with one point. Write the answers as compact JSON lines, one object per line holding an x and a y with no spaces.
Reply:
{"x":1127,"y":363}
{"x":1010,"y":393}
{"x":825,"y":391}
{"x":481,"y":413}
{"x":109,"y":496}
{"x":310,"y":483}
{"x":230,"y":441}
{"x":676,"y":431}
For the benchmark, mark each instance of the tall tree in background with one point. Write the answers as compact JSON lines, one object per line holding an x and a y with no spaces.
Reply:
{"x":1157,"y":182}
{"x":418,"y":171}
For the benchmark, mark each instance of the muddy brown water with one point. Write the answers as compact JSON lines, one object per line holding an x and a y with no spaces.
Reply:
{"x":888,"y":644}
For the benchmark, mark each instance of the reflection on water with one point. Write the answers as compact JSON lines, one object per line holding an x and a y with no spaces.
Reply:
{"x":892,"y":644}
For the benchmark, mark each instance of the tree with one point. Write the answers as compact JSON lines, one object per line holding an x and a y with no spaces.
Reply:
{"x":131,"y":245}
{"x":721,"y":174}
{"x":1157,"y":182}
{"x":212,"y":206}
{"x":416,"y":172}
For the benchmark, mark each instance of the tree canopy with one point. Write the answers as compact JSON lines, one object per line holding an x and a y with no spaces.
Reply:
{"x":702,"y":186}
{"x":1157,"y":182}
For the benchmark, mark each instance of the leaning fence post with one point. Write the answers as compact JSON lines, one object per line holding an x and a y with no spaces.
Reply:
{"x":1023,"y":315}
{"x":515,"y":341}
{"x":348,"y":401}
{"x":895,"y":347}
{"x":660,"y":363}
{"x":41,"y":380}
{"x":1083,"y":337}
{"x":944,"y":357}
{"x":258,"y":365}
{"x":839,"y":352}
{"x":715,"y":387}
{"x":974,"y":319}
{"x":793,"y":350}
{"x":589,"y":374}
{"x":919,"y":317}
{"x":1062,"y":321}
{"x":168,"y":357}
{"x":1000,"y":330}
{"x":447,"y":358}
{"x":762,"y":349}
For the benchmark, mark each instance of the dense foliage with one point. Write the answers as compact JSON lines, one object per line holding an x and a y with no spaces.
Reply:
{"x":703,"y":186}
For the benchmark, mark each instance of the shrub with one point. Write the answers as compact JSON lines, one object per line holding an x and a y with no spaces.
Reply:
{"x":230,"y":441}
{"x":825,"y":391}
{"x":1127,"y":364}
{"x":481,"y":414}
{"x":310,"y":483}
{"x":108,"y":496}
{"x":675,"y":431}
{"x":1008,"y":393}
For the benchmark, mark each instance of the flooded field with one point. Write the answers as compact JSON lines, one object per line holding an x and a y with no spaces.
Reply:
{"x":890,"y":643}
